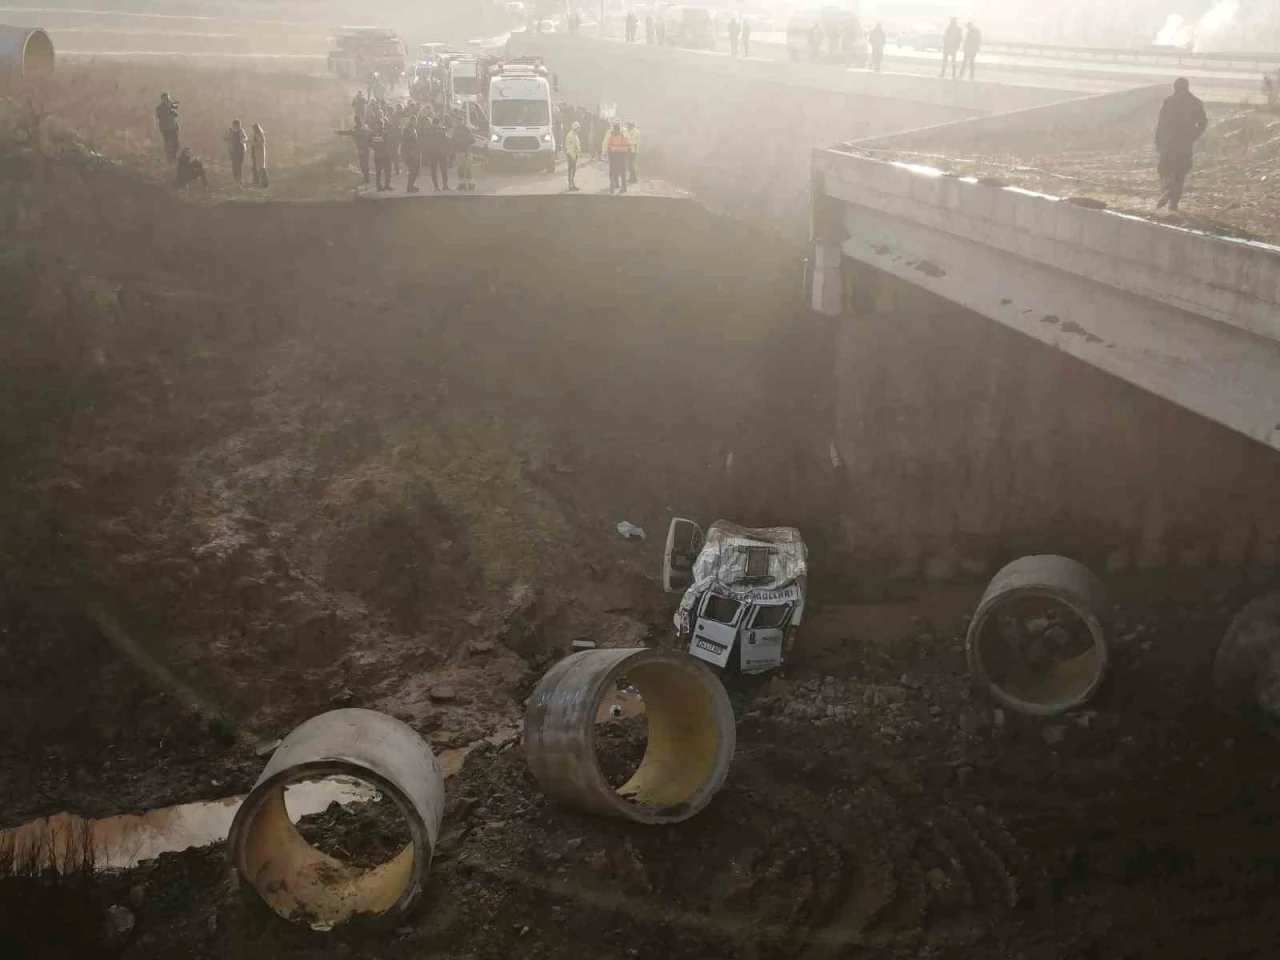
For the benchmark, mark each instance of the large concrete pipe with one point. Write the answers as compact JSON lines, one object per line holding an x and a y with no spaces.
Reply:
{"x":1035,"y":641}
{"x":25,"y":52}
{"x":300,"y":882}
{"x":1246,"y":671}
{"x":691,"y":734}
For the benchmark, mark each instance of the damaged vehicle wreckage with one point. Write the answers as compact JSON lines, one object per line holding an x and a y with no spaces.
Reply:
{"x":744,"y":592}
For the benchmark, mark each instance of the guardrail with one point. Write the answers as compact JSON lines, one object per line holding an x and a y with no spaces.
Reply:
{"x":1244,"y":61}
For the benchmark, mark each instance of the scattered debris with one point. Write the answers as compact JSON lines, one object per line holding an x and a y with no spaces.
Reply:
{"x":629,"y":531}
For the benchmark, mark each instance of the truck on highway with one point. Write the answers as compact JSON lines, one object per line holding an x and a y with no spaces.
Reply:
{"x":364,"y":51}
{"x":462,"y":79}
{"x":744,"y":592}
{"x":833,"y":33}
{"x":520,"y":115}
{"x":690,"y":27}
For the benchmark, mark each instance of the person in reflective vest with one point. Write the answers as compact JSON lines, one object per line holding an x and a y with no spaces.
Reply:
{"x":572,"y":150}
{"x":619,"y":148}
{"x":633,"y":137}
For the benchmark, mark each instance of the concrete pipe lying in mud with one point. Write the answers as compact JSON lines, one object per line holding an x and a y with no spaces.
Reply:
{"x":690,"y":744}
{"x":1246,"y":670}
{"x":302,"y":883}
{"x":1035,"y":641}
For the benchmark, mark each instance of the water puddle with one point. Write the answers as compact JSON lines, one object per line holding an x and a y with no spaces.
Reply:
{"x":124,"y":841}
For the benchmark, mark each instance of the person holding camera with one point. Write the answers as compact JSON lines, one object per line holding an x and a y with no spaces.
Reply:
{"x":167,"y":121}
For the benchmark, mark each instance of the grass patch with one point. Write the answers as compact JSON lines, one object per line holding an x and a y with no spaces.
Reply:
{"x":476,"y":471}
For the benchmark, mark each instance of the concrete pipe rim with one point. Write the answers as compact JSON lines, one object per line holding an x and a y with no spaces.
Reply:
{"x":719,"y":773}
{"x":1044,"y":591}
{"x":257,"y":799}
{"x":720,"y":714}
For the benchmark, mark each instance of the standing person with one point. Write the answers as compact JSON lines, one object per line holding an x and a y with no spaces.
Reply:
{"x":619,"y":149}
{"x":167,"y":121}
{"x":972,"y":41}
{"x":875,"y":39}
{"x":360,"y":106}
{"x":597,"y":133}
{"x":572,"y":150}
{"x":631,"y":26}
{"x":411,"y":151}
{"x":363,"y":141}
{"x":259,"y":154}
{"x":746,"y":37}
{"x":648,"y":29}
{"x":236,"y":146}
{"x":392,"y":128}
{"x":633,"y":138}
{"x":1182,"y":121}
{"x":435,"y":149}
{"x":951,"y":39}
{"x":734,"y":32}
{"x":815,"y":42}
{"x":460,"y":140}
{"x":381,"y":147}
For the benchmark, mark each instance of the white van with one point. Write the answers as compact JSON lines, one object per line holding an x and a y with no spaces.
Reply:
{"x":464,"y":82}
{"x":744,"y":592}
{"x":521,"y":117}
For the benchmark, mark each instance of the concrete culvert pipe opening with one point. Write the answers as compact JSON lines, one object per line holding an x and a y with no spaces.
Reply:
{"x":687,"y":751}
{"x":25,"y":52}
{"x":371,"y":861}
{"x":1035,"y":641}
{"x":1246,"y":670}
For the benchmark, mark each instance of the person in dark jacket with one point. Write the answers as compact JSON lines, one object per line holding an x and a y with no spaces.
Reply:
{"x":167,"y":121}
{"x":875,"y":40}
{"x":392,"y":128}
{"x":190,"y":169}
{"x":460,"y":142}
{"x":1182,"y":121}
{"x":381,"y":146}
{"x":237,"y":146}
{"x":952,"y":37}
{"x":972,"y":43}
{"x":364,"y":143}
{"x":435,"y":153}
{"x":411,"y":151}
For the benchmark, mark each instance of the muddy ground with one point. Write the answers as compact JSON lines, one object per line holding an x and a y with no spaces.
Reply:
{"x":880,"y":809}
{"x":262,"y":460}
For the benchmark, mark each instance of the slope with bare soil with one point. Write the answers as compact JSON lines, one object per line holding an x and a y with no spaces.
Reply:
{"x":285,"y":457}
{"x":1233,"y":190}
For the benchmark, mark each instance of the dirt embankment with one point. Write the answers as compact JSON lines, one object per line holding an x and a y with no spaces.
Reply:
{"x":313,"y":455}
{"x":1233,"y":189}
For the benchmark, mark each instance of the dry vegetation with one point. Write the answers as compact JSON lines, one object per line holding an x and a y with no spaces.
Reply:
{"x":109,"y":108}
{"x":1234,"y":187}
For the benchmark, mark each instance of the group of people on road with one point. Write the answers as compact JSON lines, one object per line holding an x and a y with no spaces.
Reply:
{"x":413,"y":135}
{"x":655,"y":31}
{"x":587,"y":135}
{"x":190,"y":168}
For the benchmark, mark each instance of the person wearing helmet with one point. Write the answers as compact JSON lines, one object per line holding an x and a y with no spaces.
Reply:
{"x":619,"y":149}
